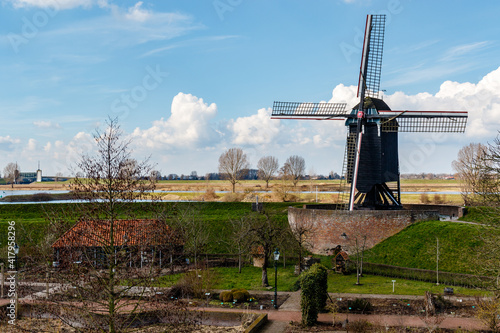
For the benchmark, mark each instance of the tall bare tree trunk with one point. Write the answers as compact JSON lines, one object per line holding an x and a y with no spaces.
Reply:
{"x":265,"y":282}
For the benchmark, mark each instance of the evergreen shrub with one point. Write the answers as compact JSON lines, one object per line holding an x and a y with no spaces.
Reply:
{"x":314,"y":285}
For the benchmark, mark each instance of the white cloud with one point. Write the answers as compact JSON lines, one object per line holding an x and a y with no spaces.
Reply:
{"x":188,"y":125}
{"x":136,"y":13}
{"x":345,"y":94}
{"x":461,"y":50}
{"x":481,"y":100}
{"x":31,"y":145}
{"x":8,"y":139}
{"x":257,"y":129}
{"x":46,"y":124}
{"x":56,"y":4}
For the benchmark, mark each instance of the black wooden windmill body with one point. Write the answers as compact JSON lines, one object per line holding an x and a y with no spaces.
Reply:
{"x":371,"y":162}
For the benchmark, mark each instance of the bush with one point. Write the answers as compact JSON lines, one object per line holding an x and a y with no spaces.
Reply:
{"x":360,"y":326}
{"x":236,"y":295}
{"x":191,"y":284}
{"x":226,"y":296}
{"x":241,"y":295}
{"x":360,"y":305}
{"x":314,"y":293}
{"x":232,"y":197}
{"x":210,"y":194}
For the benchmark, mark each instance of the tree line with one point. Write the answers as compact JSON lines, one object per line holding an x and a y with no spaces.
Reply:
{"x":234,"y":162}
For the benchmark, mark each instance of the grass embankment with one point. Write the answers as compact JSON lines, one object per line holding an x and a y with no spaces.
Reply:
{"x":415,"y":247}
{"x":31,"y":219}
{"x":483,"y":215}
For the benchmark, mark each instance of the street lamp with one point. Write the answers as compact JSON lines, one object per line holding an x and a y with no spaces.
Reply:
{"x":276,"y":258}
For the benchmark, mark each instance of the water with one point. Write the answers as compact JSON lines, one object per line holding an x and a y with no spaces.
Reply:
{"x":26,"y":192}
{"x":31,"y":192}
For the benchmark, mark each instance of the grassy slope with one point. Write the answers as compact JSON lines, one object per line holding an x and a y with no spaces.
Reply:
{"x":486,"y":215}
{"x":31,"y":218}
{"x":415,"y":247}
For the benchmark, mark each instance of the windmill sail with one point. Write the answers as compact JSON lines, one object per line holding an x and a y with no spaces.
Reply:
{"x":318,"y":111}
{"x":371,"y":162}
{"x":423,"y":121}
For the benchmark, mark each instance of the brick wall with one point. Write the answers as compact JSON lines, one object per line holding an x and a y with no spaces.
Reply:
{"x":330,"y":228}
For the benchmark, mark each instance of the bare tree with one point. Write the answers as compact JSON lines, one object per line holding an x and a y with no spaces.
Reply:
{"x":96,"y":281}
{"x":194,"y":231}
{"x":268,"y":166}
{"x":265,"y":232}
{"x":471,"y":172}
{"x":302,"y":231}
{"x":155,"y":175}
{"x":231,"y":165}
{"x":11,"y":173}
{"x":284,"y":190}
{"x":295,"y":167}
{"x":239,"y":238}
{"x":58,"y":176}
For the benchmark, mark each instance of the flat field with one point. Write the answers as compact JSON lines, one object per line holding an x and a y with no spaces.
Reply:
{"x":324,"y":191}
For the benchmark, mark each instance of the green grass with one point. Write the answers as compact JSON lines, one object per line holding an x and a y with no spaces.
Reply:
{"x":31,"y":221}
{"x":486,"y":215}
{"x":415,"y":247}
{"x":250,"y":278}
{"x":372,"y":284}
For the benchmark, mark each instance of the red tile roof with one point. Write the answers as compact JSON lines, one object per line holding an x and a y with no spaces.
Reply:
{"x":87,"y":233}
{"x":343,"y":255}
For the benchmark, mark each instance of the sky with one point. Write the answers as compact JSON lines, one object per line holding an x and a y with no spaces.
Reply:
{"x":188,"y":80}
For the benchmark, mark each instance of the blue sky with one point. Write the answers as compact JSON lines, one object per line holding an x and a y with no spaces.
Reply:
{"x":189,"y":79}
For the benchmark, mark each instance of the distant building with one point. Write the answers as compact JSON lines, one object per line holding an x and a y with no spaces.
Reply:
{"x":27,"y":177}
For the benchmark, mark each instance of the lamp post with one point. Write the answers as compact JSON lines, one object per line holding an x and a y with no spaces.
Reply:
{"x":276,"y":258}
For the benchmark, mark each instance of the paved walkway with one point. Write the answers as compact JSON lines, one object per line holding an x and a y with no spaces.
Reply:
{"x":290,"y":311}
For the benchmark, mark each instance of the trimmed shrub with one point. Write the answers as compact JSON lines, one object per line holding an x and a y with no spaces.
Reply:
{"x":226,"y":296}
{"x":322,"y":284}
{"x":240,"y":295}
{"x":237,"y":295}
{"x":313,"y":283}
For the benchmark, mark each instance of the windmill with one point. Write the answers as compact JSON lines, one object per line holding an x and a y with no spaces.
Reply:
{"x":371,"y":162}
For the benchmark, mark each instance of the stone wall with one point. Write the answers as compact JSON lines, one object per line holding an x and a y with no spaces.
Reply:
{"x":451,"y":211}
{"x":330,"y":228}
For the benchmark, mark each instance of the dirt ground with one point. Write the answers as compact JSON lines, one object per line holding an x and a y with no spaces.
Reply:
{"x":55,"y":325}
{"x":388,"y":306}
